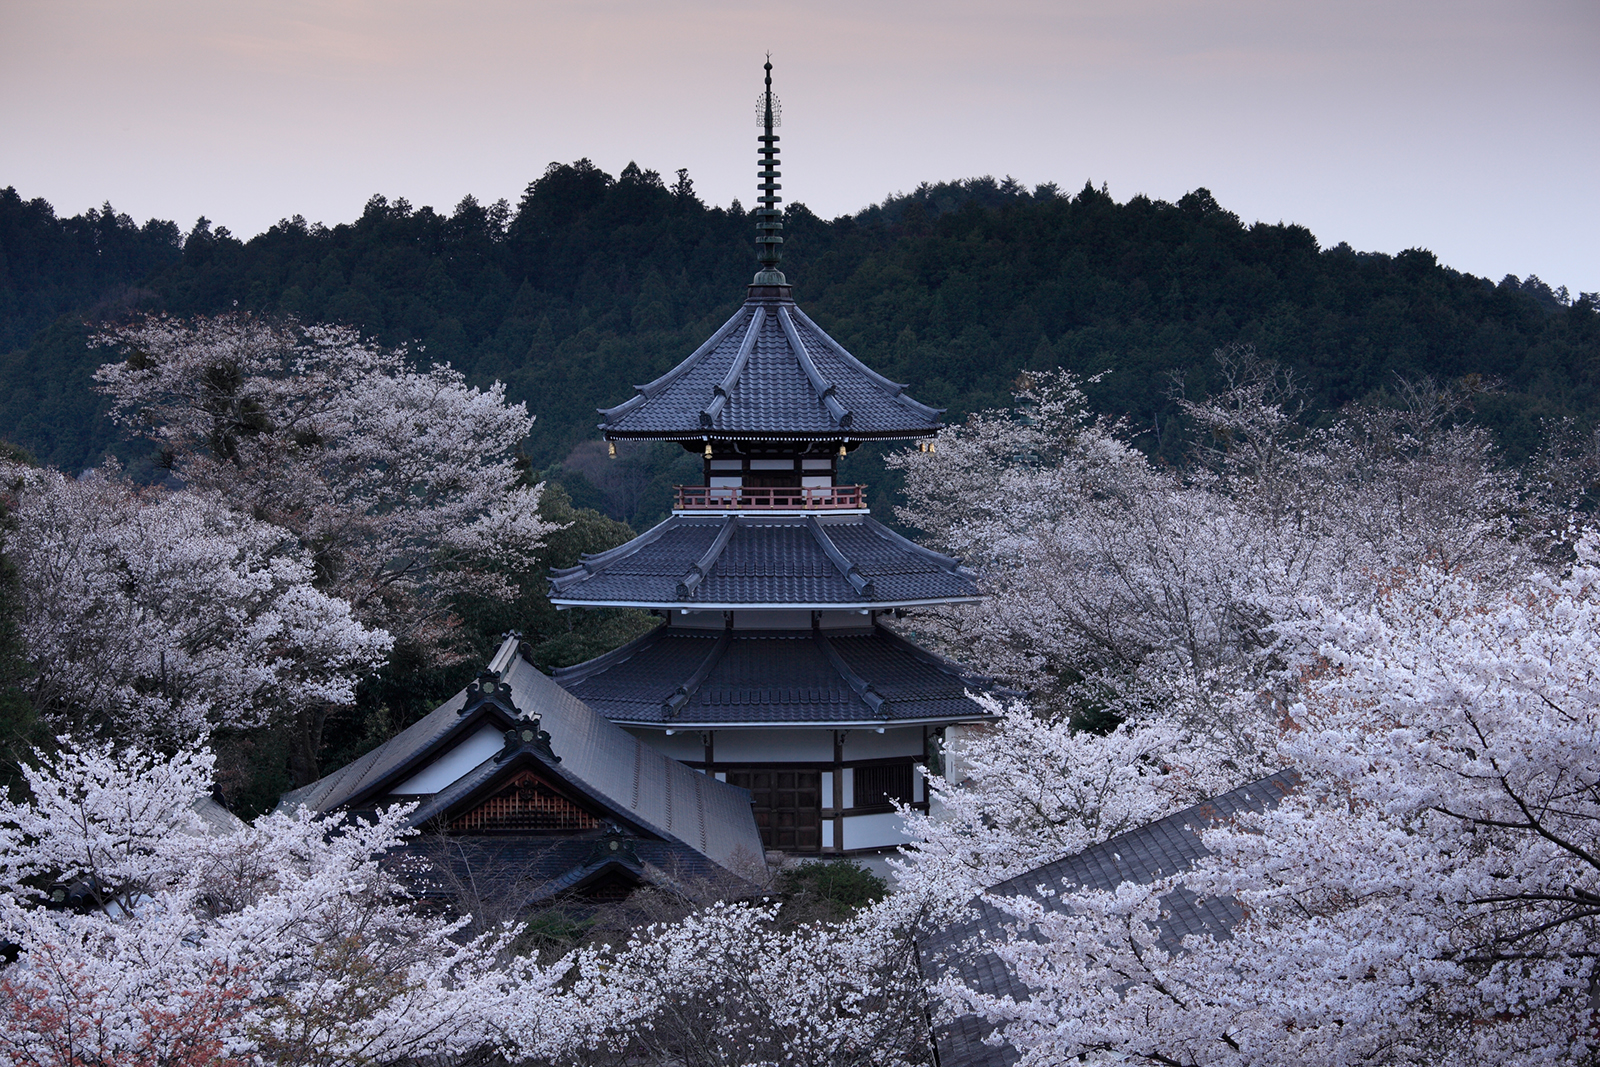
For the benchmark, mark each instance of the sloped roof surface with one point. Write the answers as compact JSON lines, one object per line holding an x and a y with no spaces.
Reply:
{"x":1162,"y":848}
{"x":723,"y":677}
{"x":599,"y":759}
{"x":770,"y":372}
{"x":765,"y":560}
{"x":536,"y":868}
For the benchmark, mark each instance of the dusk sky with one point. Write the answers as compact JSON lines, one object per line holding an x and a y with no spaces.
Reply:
{"x":1469,"y":127}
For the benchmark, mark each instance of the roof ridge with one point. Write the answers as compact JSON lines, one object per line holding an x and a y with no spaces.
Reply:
{"x":852,"y":573}
{"x":1254,"y":794}
{"x":863,"y":688}
{"x":896,"y":389}
{"x":820,"y":385}
{"x":673,"y":704}
{"x":933,"y":659}
{"x":709,"y":413}
{"x":588,"y":564}
{"x":952,"y":564}
{"x":702,"y":567}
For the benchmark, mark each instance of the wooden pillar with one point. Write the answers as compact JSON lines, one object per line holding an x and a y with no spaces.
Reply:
{"x":838,"y":790}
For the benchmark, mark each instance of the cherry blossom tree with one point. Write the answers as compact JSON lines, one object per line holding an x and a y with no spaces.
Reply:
{"x":150,"y":613}
{"x":1121,"y":591}
{"x":730,"y":984}
{"x":1022,"y":790}
{"x":402,"y":484}
{"x":291,"y":939}
{"x":1431,"y":894}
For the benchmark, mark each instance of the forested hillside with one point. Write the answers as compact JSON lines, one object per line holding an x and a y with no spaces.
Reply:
{"x":593,"y":283}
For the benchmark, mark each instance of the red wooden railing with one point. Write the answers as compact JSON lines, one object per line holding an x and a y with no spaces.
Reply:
{"x":702,"y":497}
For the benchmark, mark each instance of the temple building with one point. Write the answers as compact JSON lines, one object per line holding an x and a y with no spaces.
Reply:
{"x":526,"y":793}
{"x":772,"y":669}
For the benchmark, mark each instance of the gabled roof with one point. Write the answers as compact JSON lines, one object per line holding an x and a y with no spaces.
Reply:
{"x":718,"y":562}
{"x":683,"y":677}
{"x":635,"y":784}
{"x":1162,"y":848}
{"x":770,"y":373}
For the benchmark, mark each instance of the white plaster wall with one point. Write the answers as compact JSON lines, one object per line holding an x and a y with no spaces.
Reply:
{"x":873,"y":831}
{"x":955,"y":768}
{"x":455,"y":763}
{"x":869,"y":744}
{"x":849,"y":774}
{"x":774,"y":746}
{"x":845,"y":620}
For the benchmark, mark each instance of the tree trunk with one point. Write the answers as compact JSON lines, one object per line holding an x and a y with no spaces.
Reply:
{"x":306,"y":745}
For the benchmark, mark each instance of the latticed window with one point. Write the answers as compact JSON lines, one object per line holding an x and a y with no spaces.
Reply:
{"x":526,"y":803}
{"x":883,"y":785}
{"x":787,"y":806}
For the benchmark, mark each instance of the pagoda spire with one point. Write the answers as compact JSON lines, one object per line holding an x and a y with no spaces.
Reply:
{"x":769,"y":114}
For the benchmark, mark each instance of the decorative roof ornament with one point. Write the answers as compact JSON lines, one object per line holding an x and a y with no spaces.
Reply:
{"x":769,"y":115}
{"x":770,"y":374}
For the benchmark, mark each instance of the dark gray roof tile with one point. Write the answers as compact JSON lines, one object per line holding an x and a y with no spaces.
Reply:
{"x":768,"y":560}
{"x":773,"y":393}
{"x":776,"y":677}
{"x":1160,"y":849}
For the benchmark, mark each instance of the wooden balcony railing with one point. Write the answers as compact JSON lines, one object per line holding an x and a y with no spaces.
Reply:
{"x":702,"y":497}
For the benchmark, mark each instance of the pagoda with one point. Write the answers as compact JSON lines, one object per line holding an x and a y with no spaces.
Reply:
{"x":772,"y":669}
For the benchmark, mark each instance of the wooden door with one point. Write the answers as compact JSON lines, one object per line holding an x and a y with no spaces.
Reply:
{"x":787,"y":805}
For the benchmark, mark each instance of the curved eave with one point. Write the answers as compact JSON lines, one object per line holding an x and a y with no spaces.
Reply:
{"x":766,"y":605}
{"x":700,"y":434}
{"x":683,"y":725}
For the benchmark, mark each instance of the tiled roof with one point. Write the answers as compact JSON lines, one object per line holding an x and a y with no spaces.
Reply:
{"x":723,"y":561}
{"x":770,"y":372}
{"x":529,"y":869}
{"x":1165,"y":847}
{"x":677,"y":676}
{"x":601,"y":761}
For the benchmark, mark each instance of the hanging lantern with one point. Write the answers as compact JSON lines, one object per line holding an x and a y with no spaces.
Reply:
{"x":708,"y":449}
{"x":611,"y":449}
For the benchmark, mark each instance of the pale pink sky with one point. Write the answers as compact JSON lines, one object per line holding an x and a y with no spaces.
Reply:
{"x":1471,"y":127}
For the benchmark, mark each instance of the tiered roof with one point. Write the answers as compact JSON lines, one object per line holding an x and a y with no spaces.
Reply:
{"x":681,"y":677}
{"x":770,"y":373}
{"x":718,"y":562}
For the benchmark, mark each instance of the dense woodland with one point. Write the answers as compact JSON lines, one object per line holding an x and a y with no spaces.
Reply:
{"x":592,"y":283}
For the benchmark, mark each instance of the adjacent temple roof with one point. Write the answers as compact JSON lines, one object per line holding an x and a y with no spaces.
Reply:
{"x":1162,"y":848}
{"x":684,"y":677}
{"x":454,"y":757}
{"x":770,"y":373}
{"x":718,"y":562}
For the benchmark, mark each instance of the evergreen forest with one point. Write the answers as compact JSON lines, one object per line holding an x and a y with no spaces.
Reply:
{"x":593,"y":283}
